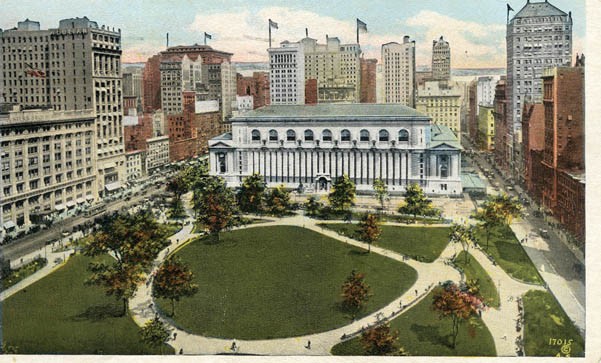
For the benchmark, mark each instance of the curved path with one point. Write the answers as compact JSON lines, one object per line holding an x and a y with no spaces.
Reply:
{"x":500,"y":321}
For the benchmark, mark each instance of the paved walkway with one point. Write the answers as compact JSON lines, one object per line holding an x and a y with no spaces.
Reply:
{"x":499,"y":321}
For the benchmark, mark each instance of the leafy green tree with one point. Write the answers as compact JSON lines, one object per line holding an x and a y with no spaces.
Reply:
{"x":460,"y":306}
{"x":355,"y":292}
{"x":312,"y":206}
{"x":342,"y":195}
{"x":174,"y":280}
{"x":497,"y":210}
{"x":464,"y":235}
{"x":252,"y":194}
{"x":381,"y":190}
{"x":133,"y":242}
{"x":369,"y":229}
{"x":380,"y":340}
{"x":416,"y":203}
{"x":177,"y":185}
{"x":216,"y":206}
{"x":278,"y":201}
{"x":154,"y":334}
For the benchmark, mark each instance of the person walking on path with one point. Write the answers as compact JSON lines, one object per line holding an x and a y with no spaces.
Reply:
{"x":174,"y":335}
{"x":308,"y":346}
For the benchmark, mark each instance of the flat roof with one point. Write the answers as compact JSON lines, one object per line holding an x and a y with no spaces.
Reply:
{"x":328,"y":111}
{"x":472,"y":181}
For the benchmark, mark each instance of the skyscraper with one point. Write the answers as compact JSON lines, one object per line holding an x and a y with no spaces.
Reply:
{"x":287,"y":74}
{"x":76,"y":66}
{"x":398,"y":63}
{"x":441,"y":60}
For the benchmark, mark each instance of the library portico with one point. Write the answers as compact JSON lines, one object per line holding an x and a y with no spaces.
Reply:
{"x":308,"y":146}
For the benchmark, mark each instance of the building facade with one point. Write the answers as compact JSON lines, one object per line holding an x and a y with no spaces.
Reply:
{"x":287,"y":74}
{"x":442,"y":101}
{"x":503,"y":129}
{"x":368,"y":80}
{"x":308,"y":147}
{"x":398,"y":66}
{"x":486,"y":128}
{"x":256,"y":86}
{"x":441,"y":60}
{"x":76,"y":66}
{"x":157,"y":153}
{"x":135,"y":164}
{"x":178,"y":75}
{"x":48,"y":163}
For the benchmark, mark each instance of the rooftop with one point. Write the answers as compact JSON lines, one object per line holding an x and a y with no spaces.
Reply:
{"x":472,"y":181}
{"x":443,"y":135}
{"x":327,"y":111}
{"x":544,"y":8}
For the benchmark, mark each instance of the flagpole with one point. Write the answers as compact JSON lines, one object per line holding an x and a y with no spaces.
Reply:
{"x":357,"y":25}
{"x":269,"y":26}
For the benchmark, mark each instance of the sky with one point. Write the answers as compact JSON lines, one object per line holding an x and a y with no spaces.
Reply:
{"x":475,"y":29}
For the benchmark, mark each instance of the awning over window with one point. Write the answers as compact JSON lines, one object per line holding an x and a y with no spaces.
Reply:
{"x":80,"y":200}
{"x":113,"y":186}
{"x":71,"y":204}
{"x":59,"y":206}
{"x":9,"y":225}
{"x":90,"y":197}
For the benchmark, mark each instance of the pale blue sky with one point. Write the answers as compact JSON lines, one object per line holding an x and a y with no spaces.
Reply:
{"x":473,"y":26}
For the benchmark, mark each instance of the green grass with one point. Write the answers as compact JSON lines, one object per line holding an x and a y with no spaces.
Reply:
{"x":473,"y":270}
{"x":509,"y":254}
{"x":544,"y":322}
{"x":422,"y":333}
{"x":22,"y":273}
{"x":60,"y":315}
{"x":422,"y":243}
{"x":268,"y":282}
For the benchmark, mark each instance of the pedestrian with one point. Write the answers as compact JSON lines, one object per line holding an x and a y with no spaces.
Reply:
{"x":308,"y":344}
{"x":181,"y":351}
{"x":415,"y":292}
{"x":233,"y":347}
{"x":174,"y":335}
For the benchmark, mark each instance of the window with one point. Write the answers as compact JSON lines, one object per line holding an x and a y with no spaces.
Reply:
{"x":345,"y":135}
{"x":403,"y":135}
{"x":273,"y":135}
{"x":221,"y":163}
{"x":383,"y":135}
{"x":255,"y":135}
{"x":364,"y":135}
{"x":290,"y":135}
{"x":308,"y":135}
{"x":326,"y":135}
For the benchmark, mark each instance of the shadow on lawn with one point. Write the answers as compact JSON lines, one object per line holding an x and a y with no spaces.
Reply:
{"x":100,"y":312}
{"x":430,"y":334}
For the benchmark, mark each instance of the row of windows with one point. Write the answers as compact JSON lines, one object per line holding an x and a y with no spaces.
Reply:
{"x":326,"y":135}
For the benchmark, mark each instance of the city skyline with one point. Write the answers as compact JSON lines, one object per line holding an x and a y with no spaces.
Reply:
{"x":477,"y":37}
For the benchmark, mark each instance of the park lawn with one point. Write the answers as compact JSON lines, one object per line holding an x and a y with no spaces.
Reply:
{"x":544,"y":321}
{"x":473,"y":270}
{"x":272,"y":282}
{"x":420,"y":243}
{"x":60,"y":315}
{"x":506,"y":250}
{"x":21,"y":273}
{"x":422,"y":333}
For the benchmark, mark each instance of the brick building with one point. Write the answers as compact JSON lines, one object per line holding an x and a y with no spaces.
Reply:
{"x":256,"y":86}
{"x":472,"y":116}
{"x":151,"y":84}
{"x":310,"y":91}
{"x":368,"y":80}
{"x":137,"y":129}
{"x":503,"y":129}
{"x":533,"y":132}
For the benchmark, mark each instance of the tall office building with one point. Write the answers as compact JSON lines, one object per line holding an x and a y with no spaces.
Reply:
{"x":441,"y":60}
{"x":539,"y":36}
{"x":287,"y":74}
{"x":76,"y":66}
{"x":398,"y":63}
{"x":178,"y":74}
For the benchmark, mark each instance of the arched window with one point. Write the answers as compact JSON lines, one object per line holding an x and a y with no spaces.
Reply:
{"x":403,"y":135}
{"x":308,"y":135}
{"x":290,"y":135}
{"x":383,"y":135}
{"x":273,"y":135}
{"x":326,"y":135}
{"x":345,"y":135}
{"x":255,"y":135}
{"x":364,"y":135}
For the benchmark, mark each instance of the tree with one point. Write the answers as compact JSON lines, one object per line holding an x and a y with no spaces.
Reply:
{"x":497,"y":210}
{"x":451,"y":302}
{"x":251,"y":194}
{"x":217,"y":206}
{"x":278,"y":201}
{"x":177,"y":185}
{"x":370,"y":230}
{"x":381,"y":190}
{"x":355,"y":292}
{"x":312,"y":206}
{"x":379,"y":340}
{"x":173,"y":280}
{"x":342,"y":195}
{"x":133,"y":242}
{"x":154,"y":334}
{"x":464,"y":235}
{"x":416,"y":203}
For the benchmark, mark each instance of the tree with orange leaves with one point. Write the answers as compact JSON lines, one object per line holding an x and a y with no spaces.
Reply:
{"x":173,"y":280}
{"x":452,"y":302}
{"x":370,"y":230}
{"x":380,"y":340}
{"x":355,"y":292}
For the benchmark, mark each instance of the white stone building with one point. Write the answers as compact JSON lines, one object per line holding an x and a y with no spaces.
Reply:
{"x":157,"y":153}
{"x":48,"y":163}
{"x":442,"y":101}
{"x":398,"y":64}
{"x":178,"y":74}
{"x":135,"y":162}
{"x":485,"y":91}
{"x":287,"y":74}
{"x":308,"y":146}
